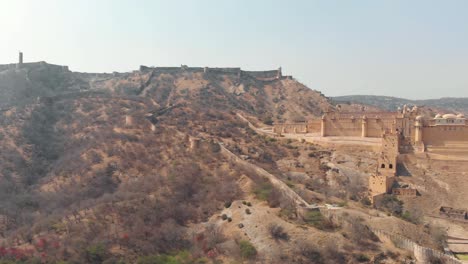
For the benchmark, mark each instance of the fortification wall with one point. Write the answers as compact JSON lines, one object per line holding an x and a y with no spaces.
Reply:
{"x":260,"y":75}
{"x":375,"y":127}
{"x":286,"y":192}
{"x":31,"y":65}
{"x":443,"y":135}
{"x":224,"y":70}
{"x":97,"y":75}
{"x":178,"y":69}
{"x":422,"y":254}
{"x":263,"y":75}
{"x":5,"y":67}
{"x":359,"y":115}
{"x":343,"y":127}
{"x":291,"y":128}
{"x":314,"y":126}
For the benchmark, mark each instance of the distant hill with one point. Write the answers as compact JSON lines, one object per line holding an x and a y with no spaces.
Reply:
{"x":392,"y":103}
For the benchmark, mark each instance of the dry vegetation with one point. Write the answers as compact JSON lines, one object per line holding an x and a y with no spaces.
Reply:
{"x":112,"y":178}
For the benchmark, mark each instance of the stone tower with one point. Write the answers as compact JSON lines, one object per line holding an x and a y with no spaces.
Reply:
{"x":382,"y":182}
{"x":20,"y":60}
{"x":389,"y":156}
{"x":279,"y":73}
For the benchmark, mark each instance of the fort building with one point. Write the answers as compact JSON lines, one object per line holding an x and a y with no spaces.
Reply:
{"x":402,"y":131}
{"x":21,"y":65}
{"x":417,"y":133}
{"x":449,"y":212}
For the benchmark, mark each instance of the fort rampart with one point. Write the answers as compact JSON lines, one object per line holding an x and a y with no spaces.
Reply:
{"x":422,"y":254}
{"x":286,"y":192}
{"x":441,"y":135}
{"x":260,"y":75}
{"x":31,"y":65}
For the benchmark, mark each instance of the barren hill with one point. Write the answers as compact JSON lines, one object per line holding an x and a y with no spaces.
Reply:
{"x":132,"y":167}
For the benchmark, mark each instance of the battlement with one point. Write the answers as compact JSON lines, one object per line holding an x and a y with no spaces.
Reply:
{"x":265,"y":75}
{"x":32,"y":65}
{"x":259,"y":75}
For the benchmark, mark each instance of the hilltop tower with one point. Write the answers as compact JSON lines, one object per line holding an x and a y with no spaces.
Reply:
{"x":20,"y":60}
{"x":279,"y":73}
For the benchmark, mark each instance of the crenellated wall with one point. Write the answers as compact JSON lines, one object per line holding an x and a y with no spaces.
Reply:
{"x":31,"y":65}
{"x":264,"y":75}
{"x":224,"y":70}
{"x":259,"y":75}
{"x":346,"y":125}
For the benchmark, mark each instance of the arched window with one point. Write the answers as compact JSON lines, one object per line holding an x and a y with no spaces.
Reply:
{"x":383,"y":166}
{"x":390,"y":166}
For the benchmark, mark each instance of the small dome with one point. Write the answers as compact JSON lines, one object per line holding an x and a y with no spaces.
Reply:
{"x":449,"y":116}
{"x":460,"y":116}
{"x":419,"y":118}
{"x":438,"y":116}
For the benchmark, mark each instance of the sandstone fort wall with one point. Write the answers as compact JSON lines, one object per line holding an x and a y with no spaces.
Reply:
{"x":314,"y":126}
{"x":31,"y":65}
{"x":422,"y":254}
{"x":343,"y":127}
{"x":441,"y":135}
{"x":376,"y":126}
{"x":260,"y":75}
{"x":264,"y":75}
{"x":299,"y":128}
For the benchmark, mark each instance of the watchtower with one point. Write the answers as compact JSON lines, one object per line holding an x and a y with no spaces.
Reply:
{"x":279,"y":73}
{"x":389,"y":155}
{"x":20,"y":60}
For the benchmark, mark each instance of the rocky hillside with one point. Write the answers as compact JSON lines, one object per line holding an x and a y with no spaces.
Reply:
{"x":131,"y":168}
{"x":449,"y":104}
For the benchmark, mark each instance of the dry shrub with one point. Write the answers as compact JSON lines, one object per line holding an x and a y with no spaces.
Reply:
{"x":277,"y":232}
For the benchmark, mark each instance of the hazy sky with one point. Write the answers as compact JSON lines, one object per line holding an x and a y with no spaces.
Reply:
{"x":413,"y":49}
